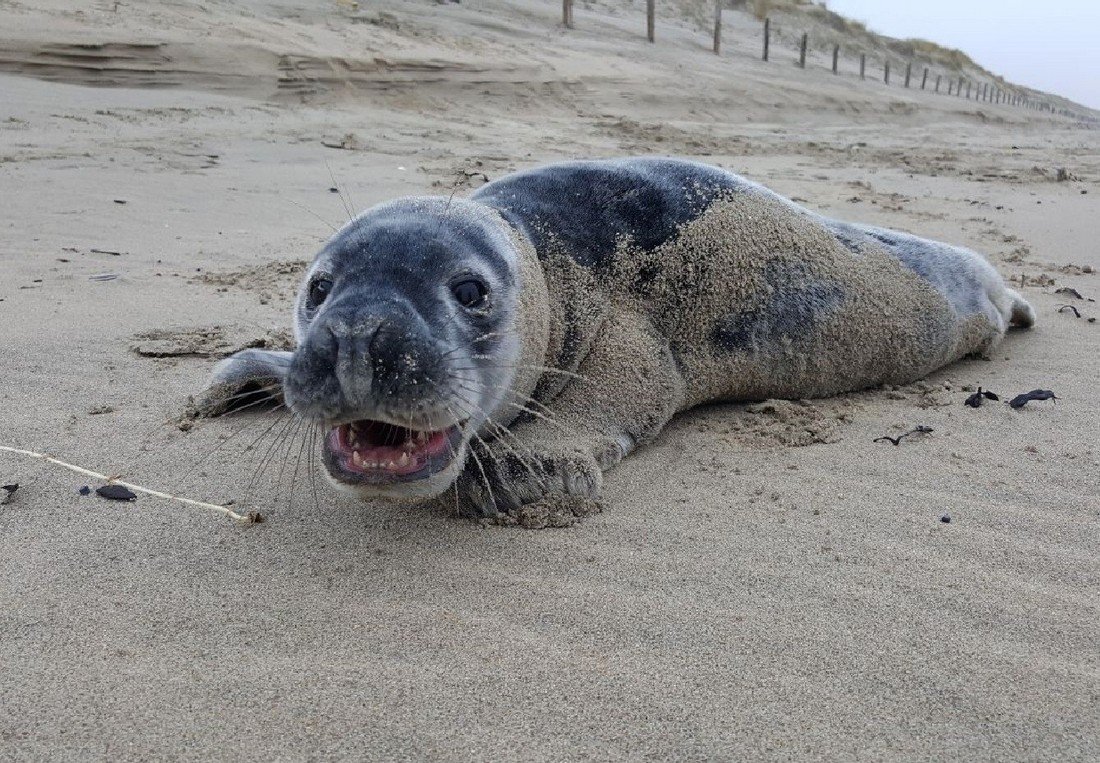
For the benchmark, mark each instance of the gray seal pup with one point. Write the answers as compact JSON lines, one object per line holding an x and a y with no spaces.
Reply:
{"x":518,"y":343}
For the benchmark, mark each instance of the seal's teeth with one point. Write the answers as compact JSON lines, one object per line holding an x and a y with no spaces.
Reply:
{"x":421,"y":437}
{"x":357,"y":459}
{"x":391,"y":465}
{"x":403,"y":461}
{"x":353,"y":438}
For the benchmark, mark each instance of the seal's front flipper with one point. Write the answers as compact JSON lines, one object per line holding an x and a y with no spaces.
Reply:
{"x":621,"y":396}
{"x":247,"y":379}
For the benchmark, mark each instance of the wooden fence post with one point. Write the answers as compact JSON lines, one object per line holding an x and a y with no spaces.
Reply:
{"x":959,"y":89}
{"x":767,"y":36}
{"x":886,"y":74}
{"x":802,"y":50}
{"x":567,"y":13}
{"x":924,"y":79}
{"x":863,"y":66}
{"x":717,"y":27}
{"x":836,"y":55}
{"x":968,"y":91}
{"x":651,"y":20}
{"x":938,"y":82}
{"x":908,"y":73}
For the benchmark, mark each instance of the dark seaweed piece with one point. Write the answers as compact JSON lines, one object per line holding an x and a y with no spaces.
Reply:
{"x":84,"y":490}
{"x":1063,"y":308}
{"x":1036,"y":394}
{"x":116,"y":493}
{"x":9,"y":492}
{"x":976,"y":400}
{"x":897,"y":440}
{"x":1070,"y":291}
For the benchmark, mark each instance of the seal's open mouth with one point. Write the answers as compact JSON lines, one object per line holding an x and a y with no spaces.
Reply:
{"x":368,"y":451}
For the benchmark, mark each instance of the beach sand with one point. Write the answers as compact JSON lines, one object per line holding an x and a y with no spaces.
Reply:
{"x":764,"y":582}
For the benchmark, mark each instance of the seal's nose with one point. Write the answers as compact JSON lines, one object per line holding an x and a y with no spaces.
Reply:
{"x":357,"y":357}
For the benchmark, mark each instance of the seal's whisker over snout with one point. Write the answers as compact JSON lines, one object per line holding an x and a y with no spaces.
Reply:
{"x":548,"y":416}
{"x":540,"y":369}
{"x":502,"y":435}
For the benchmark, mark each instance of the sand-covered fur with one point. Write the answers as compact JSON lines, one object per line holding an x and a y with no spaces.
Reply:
{"x":631,"y":290}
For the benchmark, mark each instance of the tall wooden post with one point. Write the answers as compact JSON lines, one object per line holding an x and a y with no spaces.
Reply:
{"x":886,"y":74}
{"x":938,"y":82}
{"x":959,"y":89}
{"x":717,"y":27}
{"x":767,"y":36}
{"x":651,"y":20}
{"x":863,"y":66}
{"x":924,"y":79}
{"x":968,"y":91}
{"x":802,"y":50}
{"x":836,"y":56}
{"x":567,"y":13}
{"x":908,"y":73}
{"x":950,"y":86}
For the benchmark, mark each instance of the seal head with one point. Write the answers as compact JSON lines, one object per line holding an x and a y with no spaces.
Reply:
{"x":407,"y":326}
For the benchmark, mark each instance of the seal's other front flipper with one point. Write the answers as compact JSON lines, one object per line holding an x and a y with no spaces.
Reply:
{"x":247,"y":379}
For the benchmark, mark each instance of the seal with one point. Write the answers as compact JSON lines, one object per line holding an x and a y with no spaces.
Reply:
{"x":518,"y":343}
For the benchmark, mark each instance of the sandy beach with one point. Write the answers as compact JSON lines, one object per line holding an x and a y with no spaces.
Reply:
{"x":764,"y":582}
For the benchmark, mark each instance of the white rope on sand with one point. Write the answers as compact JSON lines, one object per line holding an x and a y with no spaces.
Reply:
{"x":245,"y":519}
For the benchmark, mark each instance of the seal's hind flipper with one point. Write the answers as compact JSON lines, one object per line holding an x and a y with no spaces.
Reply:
{"x":1023,"y":314}
{"x":243,"y":380}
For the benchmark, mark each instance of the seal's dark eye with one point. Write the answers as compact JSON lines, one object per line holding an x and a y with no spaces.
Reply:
{"x":470,"y":292}
{"x":318,"y":292}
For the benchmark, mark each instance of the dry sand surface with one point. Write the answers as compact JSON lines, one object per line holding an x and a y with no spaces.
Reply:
{"x":765,"y":582}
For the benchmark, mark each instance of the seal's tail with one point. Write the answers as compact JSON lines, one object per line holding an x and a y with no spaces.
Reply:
{"x":1022,"y":315}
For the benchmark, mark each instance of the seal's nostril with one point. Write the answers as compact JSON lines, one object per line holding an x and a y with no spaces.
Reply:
{"x":372,"y":336}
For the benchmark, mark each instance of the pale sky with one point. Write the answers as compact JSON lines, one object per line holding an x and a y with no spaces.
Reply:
{"x":1052,"y":45}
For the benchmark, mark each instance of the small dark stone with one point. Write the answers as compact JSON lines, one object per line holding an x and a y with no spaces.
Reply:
{"x":85,"y":490}
{"x":946,"y":519}
{"x":116,"y":493}
{"x":9,"y":492}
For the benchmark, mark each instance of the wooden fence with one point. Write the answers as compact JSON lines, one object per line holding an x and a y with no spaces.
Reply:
{"x":987,"y":92}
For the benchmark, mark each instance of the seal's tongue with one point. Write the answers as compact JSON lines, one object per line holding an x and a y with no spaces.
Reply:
{"x":372,"y":447}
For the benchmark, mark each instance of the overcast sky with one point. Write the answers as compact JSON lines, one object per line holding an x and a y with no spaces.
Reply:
{"x":1053,"y":45}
